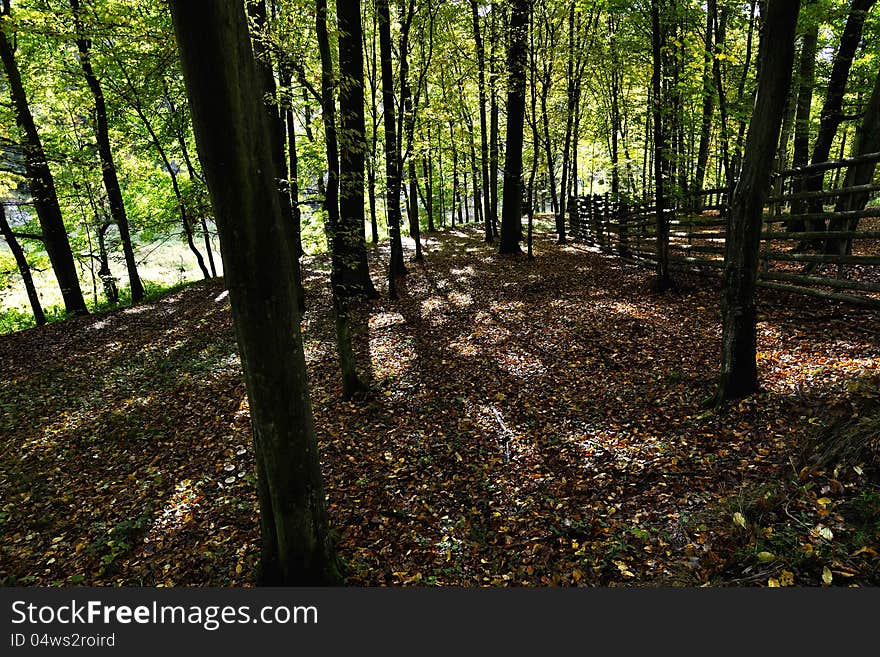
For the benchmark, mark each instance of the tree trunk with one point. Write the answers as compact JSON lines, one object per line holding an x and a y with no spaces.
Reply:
{"x":739,"y":376}
{"x":42,"y":185}
{"x":867,"y":141}
{"x":663,"y":281}
{"x":271,"y":107}
{"x":511,"y":211}
{"x":355,"y":273}
{"x":256,"y":239}
{"x":108,"y":167}
{"x":832,"y":110}
{"x":706,"y":116}
{"x":337,"y":232}
{"x":392,"y":168}
{"x":484,"y":136}
{"x":23,"y":268}
{"x":801,"y":155}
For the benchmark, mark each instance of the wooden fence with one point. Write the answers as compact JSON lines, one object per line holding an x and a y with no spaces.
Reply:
{"x":802,"y":238}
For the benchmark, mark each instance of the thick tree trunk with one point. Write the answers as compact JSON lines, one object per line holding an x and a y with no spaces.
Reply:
{"x":511,"y":211}
{"x":108,"y":167}
{"x":355,"y":273}
{"x":256,"y":239}
{"x":739,"y":376}
{"x":396,"y":266}
{"x":23,"y":267}
{"x":42,"y":185}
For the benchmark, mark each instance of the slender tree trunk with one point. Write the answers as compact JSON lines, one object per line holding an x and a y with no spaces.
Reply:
{"x":806,"y":75}
{"x":867,"y":141}
{"x":374,"y":133}
{"x":23,"y":267}
{"x":484,"y":136}
{"x":739,"y":374}
{"x":180,"y":133}
{"x":396,"y":266}
{"x":108,"y":167}
{"x":256,"y":238}
{"x":262,"y":53}
{"x":42,"y":185}
{"x":663,"y":281}
{"x":186,"y":223}
{"x":337,"y":231}
{"x":355,"y":273}
{"x":493,"y":117}
{"x":293,"y":178}
{"x":511,"y":211}
{"x":832,"y":111}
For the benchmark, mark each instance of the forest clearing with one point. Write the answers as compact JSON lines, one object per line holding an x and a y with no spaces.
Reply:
{"x":527,"y":423}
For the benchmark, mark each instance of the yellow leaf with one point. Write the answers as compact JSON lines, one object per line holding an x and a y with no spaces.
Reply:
{"x":739,"y":520}
{"x":773,"y":583}
{"x":786,"y":578}
{"x":823,"y":501}
{"x":827,"y":576}
{"x":765,"y":557}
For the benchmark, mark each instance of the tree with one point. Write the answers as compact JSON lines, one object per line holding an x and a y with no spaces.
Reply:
{"x":355,"y":274}
{"x":484,"y":136}
{"x":105,"y":151}
{"x":338,"y":233}
{"x":739,"y":371}
{"x":41,"y":183}
{"x":396,"y":268}
{"x":511,"y":210}
{"x":256,"y":240}
{"x":23,"y":267}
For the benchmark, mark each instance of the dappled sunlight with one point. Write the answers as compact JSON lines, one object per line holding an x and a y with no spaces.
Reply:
{"x":521,"y":364}
{"x":178,"y":510}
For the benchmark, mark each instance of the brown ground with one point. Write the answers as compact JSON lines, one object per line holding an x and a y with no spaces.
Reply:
{"x":529,"y":423}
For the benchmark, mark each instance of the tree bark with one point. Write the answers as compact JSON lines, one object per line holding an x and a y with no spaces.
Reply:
{"x":663,"y":281}
{"x":42,"y":185}
{"x":484,"y":136}
{"x":108,"y":166}
{"x":832,"y":110}
{"x":256,"y":240}
{"x":801,"y":154}
{"x":23,"y":267}
{"x":511,"y":211}
{"x":396,"y":266}
{"x":739,"y":374}
{"x":355,"y":273}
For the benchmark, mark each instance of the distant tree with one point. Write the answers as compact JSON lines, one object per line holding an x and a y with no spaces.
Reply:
{"x":256,"y":240}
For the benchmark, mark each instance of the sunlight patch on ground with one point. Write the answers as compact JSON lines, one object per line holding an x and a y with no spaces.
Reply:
{"x":521,"y":364}
{"x":391,"y":356}
{"x":178,"y":510}
{"x":460,"y":299}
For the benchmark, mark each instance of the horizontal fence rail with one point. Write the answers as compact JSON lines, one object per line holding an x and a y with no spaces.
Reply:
{"x":831,"y":253}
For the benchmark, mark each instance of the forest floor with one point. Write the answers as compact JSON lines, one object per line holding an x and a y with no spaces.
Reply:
{"x":529,"y":423}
